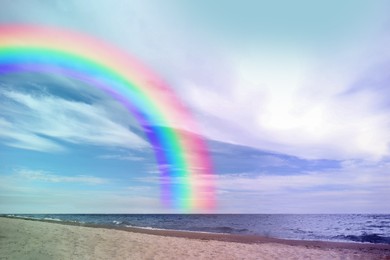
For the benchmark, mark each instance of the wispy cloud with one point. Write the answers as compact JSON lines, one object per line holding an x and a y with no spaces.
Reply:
{"x":370,"y":177}
{"x":282,"y":97}
{"x":353,"y":188}
{"x":303,"y":112}
{"x":122,"y":157}
{"x":58,"y":195}
{"x":20,"y":138}
{"x":50,"y":177}
{"x":44,"y":118}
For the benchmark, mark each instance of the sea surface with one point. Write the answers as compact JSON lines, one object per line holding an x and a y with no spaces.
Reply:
{"x":360,"y":228}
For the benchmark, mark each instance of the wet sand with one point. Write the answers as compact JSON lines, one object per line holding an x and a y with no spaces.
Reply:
{"x":30,"y":239}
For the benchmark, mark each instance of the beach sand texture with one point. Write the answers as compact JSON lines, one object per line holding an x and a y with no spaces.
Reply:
{"x":27,"y":239}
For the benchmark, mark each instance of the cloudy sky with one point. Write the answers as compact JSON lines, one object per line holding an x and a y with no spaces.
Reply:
{"x":293,"y":98}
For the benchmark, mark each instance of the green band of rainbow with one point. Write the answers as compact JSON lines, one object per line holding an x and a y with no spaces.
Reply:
{"x":185,"y":169}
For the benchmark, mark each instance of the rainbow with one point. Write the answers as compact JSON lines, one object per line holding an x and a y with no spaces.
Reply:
{"x":186,"y":178}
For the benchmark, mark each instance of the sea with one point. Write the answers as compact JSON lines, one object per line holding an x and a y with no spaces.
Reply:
{"x":359,"y":228}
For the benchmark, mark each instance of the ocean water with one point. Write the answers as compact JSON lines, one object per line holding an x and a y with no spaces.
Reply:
{"x":363,"y":228}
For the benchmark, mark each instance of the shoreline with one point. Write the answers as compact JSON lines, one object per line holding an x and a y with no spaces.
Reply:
{"x":224,"y":237}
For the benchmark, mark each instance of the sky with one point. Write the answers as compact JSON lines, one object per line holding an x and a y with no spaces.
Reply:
{"x":292,"y":98}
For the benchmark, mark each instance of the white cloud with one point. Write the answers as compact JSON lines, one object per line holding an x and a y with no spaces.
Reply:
{"x":282,"y":98}
{"x":50,"y":177}
{"x":356,"y":188}
{"x":352,"y":175}
{"x":122,"y":157}
{"x":287,"y":100}
{"x":22,"y":191}
{"x":44,"y":201}
{"x":35,"y":117}
{"x":24,"y":139}
{"x":299,"y":104}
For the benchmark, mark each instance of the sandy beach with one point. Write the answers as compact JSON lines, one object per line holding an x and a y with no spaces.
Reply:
{"x":29,"y":239}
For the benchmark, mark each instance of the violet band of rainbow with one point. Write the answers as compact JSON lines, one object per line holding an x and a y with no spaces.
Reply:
{"x":186,"y":178}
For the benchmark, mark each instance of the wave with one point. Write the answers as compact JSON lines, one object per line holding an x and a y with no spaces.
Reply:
{"x":24,"y":217}
{"x":169,"y":229}
{"x":365,"y":238}
{"x":53,"y":219}
{"x":229,"y":230}
{"x":220,"y":230}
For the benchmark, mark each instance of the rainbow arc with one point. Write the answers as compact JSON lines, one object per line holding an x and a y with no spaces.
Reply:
{"x":182,"y":157}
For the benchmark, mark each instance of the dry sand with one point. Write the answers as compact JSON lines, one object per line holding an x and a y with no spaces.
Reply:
{"x":28,"y":239}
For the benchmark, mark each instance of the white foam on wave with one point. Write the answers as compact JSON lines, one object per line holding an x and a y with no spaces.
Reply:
{"x":34,"y":218}
{"x":26,"y":217}
{"x":179,"y":230}
{"x":52,"y":219}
